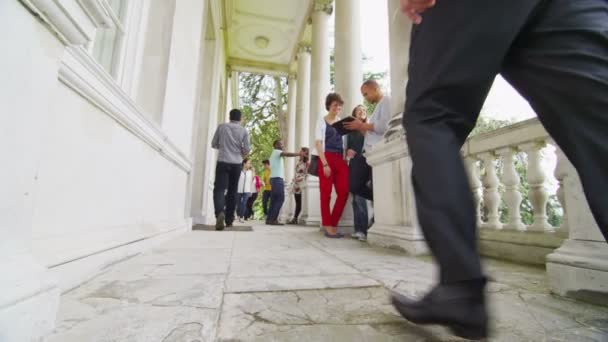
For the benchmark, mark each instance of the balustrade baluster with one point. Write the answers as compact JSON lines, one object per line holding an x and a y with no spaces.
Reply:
{"x":473,"y":173}
{"x":536,"y":179}
{"x":512,"y":196}
{"x":561,"y":171}
{"x":491,"y":197}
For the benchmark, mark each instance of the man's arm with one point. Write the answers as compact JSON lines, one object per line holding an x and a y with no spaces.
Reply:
{"x":246,"y":144}
{"x":380,"y":124}
{"x":215,"y":142}
{"x":289,"y":154}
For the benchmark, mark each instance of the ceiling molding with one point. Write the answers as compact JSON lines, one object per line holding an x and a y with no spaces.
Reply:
{"x":258,"y":67}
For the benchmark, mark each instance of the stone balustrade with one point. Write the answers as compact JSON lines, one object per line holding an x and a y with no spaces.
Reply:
{"x":492,"y":161}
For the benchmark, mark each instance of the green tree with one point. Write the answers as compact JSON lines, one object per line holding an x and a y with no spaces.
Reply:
{"x":263,"y":99}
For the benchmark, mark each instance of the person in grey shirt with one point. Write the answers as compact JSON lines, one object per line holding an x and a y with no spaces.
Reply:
{"x":232,"y":142}
{"x":373,"y":130}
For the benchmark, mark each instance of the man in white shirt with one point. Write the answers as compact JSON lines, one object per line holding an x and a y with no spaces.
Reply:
{"x":277,"y":194}
{"x":373,"y":130}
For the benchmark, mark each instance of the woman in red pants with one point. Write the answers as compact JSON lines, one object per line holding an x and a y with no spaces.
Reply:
{"x":333,"y":170}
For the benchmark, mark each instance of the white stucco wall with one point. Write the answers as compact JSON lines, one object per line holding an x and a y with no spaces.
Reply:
{"x":92,"y":183}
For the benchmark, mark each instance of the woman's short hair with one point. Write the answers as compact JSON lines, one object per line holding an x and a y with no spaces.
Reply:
{"x":331,"y":98}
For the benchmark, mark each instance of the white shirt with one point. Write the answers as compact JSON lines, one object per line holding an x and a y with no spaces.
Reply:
{"x":245,"y":181}
{"x":380,"y":118}
{"x":320,"y":134}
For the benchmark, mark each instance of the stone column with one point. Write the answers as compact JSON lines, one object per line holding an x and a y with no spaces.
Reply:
{"x":319,"y":88}
{"x":303,"y":97}
{"x":319,"y":74}
{"x":399,"y":30}
{"x":288,"y":207}
{"x":579,"y":268}
{"x":291,"y":127}
{"x":396,"y":223}
{"x":349,"y":75}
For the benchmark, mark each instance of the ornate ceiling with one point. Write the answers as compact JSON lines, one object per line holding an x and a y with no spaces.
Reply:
{"x":264,"y":35}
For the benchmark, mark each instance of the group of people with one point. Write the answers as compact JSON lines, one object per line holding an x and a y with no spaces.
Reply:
{"x":555,"y":53}
{"x":341,"y":166}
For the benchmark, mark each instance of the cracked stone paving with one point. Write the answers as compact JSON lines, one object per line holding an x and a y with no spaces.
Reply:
{"x":291,"y":284}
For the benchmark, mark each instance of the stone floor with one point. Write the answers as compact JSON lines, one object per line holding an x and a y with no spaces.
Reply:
{"x":291,"y":284}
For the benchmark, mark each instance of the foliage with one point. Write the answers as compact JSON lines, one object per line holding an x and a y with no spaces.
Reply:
{"x":263,"y":99}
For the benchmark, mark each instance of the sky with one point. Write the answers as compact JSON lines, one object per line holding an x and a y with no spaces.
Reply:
{"x":503,"y":102}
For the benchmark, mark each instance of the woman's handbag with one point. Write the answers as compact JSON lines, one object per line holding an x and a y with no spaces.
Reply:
{"x":313,"y":167}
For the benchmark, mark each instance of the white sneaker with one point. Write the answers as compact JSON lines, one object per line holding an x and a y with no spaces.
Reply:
{"x":241,"y":220}
{"x":356,"y":235}
{"x":362,"y":237}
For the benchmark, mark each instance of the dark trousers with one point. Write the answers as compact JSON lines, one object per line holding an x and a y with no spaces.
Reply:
{"x":555,"y":53}
{"x":224,"y":189}
{"x":242,"y":197}
{"x":250,"y":202}
{"x":277,"y":197}
{"x":298,"y":198}
{"x":360,"y":214}
{"x":360,"y":176}
{"x":265,"y":199}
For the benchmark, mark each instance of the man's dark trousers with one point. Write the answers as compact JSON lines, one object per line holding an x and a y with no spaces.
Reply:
{"x":265,"y":198}
{"x":555,"y":53}
{"x":224,"y":189}
{"x":277,"y":197}
{"x":360,"y":175}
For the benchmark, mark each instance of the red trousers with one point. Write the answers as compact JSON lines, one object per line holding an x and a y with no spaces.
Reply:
{"x":339,"y":179}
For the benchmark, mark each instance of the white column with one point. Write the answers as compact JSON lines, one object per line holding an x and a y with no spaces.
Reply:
{"x":303,"y":97}
{"x":319,"y":74}
{"x":399,"y":31}
{"x":291,"y":126}
{"x":349,"y":75}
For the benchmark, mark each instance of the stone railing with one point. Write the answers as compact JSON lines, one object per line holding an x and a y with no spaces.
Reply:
{"x":492,"y":160}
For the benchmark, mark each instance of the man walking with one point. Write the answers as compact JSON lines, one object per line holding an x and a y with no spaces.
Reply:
{"x":232,"y":142}
{"x":555,"y":53}
{"x":277,"y":169}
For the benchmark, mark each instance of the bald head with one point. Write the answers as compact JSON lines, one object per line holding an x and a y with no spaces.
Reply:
{"x":371,"y":91}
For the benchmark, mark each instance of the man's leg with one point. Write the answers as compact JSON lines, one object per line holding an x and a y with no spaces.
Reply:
{"x":454,"y":56}
{"x":565,"y":78}
{"x":361,"y":175}
{"x":265,"y":198}
{"x":360,"y":214}
{"x":233,"y":183}
{"x":219,"y":190}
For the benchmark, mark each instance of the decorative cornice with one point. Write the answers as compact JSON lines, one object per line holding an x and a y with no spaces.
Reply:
{"x":323,"y":6}
{"x":99,"y":11}
{"x":84,"y":75}
{"x":68,"y":18}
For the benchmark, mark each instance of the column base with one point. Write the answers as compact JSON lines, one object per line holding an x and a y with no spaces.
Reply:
{"x":29,"y":301}
{"x":579,"y":269}
{"x":406,"y":239}
{"x":311,"y":211}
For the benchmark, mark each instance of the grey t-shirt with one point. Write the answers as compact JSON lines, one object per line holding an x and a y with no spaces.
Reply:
{"x":232,"y":141}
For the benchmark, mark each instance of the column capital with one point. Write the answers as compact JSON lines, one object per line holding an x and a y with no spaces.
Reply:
{"x":326,"y":6}
{"x":304,"y":48}
{"x":292,"y":75}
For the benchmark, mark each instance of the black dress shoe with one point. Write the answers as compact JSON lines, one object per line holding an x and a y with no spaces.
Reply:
{"x":461,"y":307}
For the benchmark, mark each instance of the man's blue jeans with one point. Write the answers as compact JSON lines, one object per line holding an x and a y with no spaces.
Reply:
{"x":277,"y":197}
